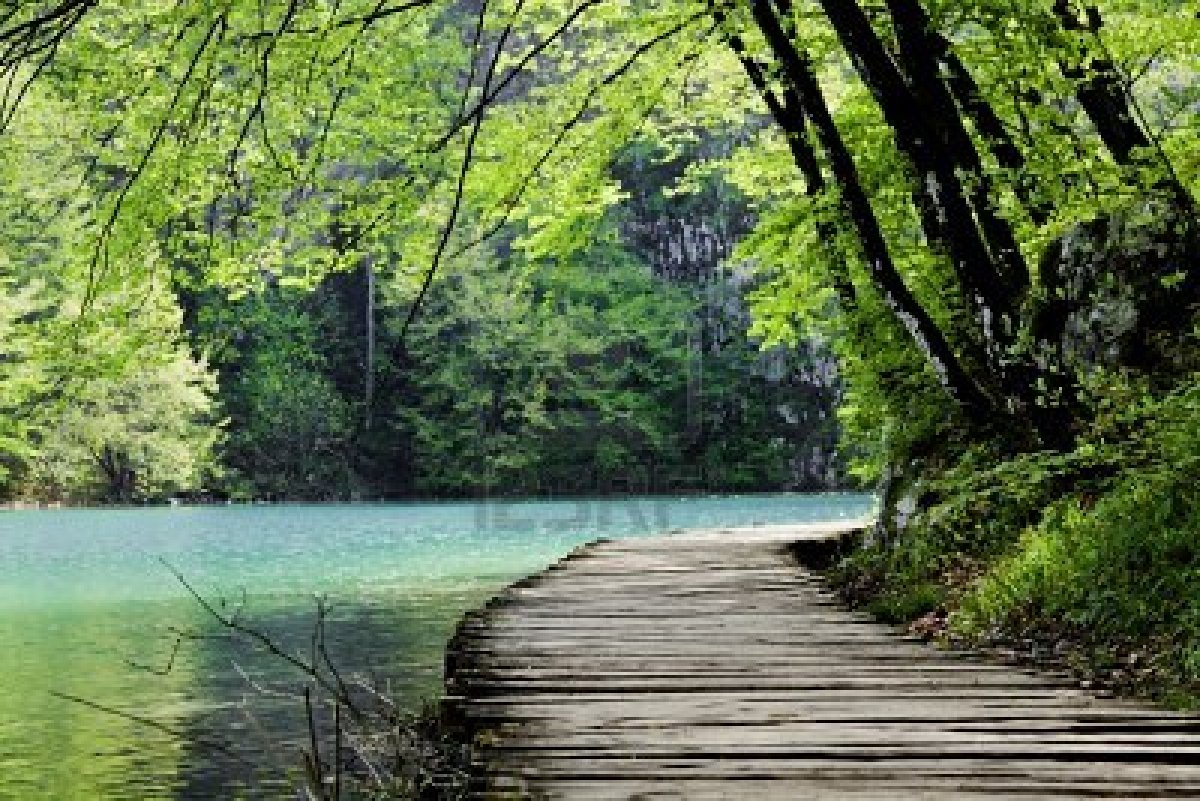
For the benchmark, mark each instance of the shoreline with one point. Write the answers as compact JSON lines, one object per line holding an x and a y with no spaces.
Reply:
{"x":496,"y":500}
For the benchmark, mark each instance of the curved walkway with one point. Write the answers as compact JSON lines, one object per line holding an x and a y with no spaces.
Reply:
{"x":711,"y":665}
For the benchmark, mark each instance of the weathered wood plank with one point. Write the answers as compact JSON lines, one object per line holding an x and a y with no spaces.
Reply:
{"x":710,"y":665}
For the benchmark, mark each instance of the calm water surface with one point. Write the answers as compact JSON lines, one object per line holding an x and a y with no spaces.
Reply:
{"x":87,"y":608}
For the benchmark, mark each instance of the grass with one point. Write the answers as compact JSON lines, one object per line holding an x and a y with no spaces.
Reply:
{"x":1098,"y":569}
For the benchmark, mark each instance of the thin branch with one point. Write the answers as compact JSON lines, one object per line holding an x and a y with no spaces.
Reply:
{"x":362,"y":21}
{"x":337,"y":750}
{"x":156,"y":138}
{"x":313,"y":758}
{"x":185,"y":736}
{"x":32,"y":26}
{"x":461,"y":183}
{"x":262,"y":689}
{"x":514,"y":199}
{"x":488,"y":98}
{"x":67,"y":15}
{"x":476,"y":44}
{"x":233,"y":623}
{"x":1134,"y":77}
{"x":257,"y":109}
{"x":181,"y":636}
{"x":50,"y":48}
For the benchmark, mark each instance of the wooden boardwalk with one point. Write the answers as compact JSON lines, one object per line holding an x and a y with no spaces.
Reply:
{"x":711,"y":666}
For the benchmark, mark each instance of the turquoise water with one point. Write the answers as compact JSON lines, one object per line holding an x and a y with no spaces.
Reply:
{"x":88,"y":608}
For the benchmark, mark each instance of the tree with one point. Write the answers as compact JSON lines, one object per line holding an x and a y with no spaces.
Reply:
{"x":547,"y":377}
{"x":291,"y":429}
{"x":139,"y":422}
{"x":22,"y":379}
{"x":102,"y":399}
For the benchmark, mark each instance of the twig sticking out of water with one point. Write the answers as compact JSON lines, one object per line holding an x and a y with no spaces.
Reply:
{"x":379,"y":749}
{"x":319,"y":669}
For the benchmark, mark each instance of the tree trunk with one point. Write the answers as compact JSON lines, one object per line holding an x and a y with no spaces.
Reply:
{"x":987,"y":122}
{"x":918,"y":48}
{"x":789,"y":116}
{"x":369,"y":366}
{"x":931,"y":133}
{"x":946,"y":214}
{"x":914,"y":318}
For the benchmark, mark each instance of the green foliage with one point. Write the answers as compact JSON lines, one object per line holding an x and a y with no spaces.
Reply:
{"x":278,"y":149}
{"x":139,"y":424}
{"x":100,"y":397}
{"x":584,"y":373}
{"x":22,"y":379}
{"x":908,"y":603}
{"x":1115,"y":567}
{"x":1035,"y":218}
{"x":578,"y":376}
{"x":290,"y":429}
{"x":1091,"y":553}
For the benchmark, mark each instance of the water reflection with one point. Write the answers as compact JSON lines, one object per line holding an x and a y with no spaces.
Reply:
{"x":51,"y":748}
{"x":254,"y":705}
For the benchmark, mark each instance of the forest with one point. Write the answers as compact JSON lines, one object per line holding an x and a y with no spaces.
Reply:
{"x":304,"y":249}
{"x":623,"y":365}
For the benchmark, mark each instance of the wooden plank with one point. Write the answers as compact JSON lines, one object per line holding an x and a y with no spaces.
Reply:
{"x":710,"y":665}
{"x":701,"y":790}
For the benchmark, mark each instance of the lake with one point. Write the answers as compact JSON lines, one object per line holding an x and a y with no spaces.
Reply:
{"x":88,"y":608}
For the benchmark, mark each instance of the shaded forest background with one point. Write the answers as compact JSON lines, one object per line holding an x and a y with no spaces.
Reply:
{"x":626,"y":366}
